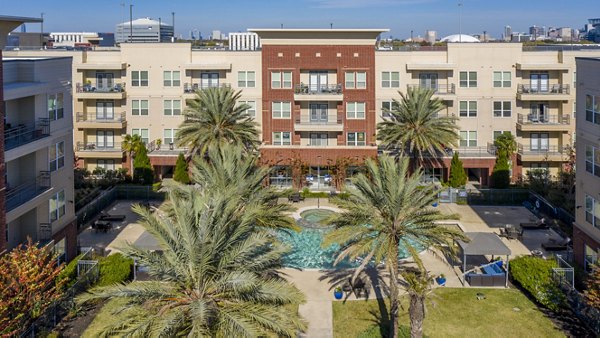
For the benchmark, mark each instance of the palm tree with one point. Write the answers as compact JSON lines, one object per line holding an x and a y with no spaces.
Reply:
{"x":216,"y":274}
{"x":132,"y":145}
{"x":506,"y":144}
{"x":212,"y":119}
{"x":414,"y":127}
{"x":387,"y":209}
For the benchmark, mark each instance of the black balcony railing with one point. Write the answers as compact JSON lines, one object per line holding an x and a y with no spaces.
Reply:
{"x":330,"y":120}
{"x":94,"y":146}
{"x":16,"y":136}
{"x":45,"y":232}
{"x":543,"y":119}
{"x":100,"y":118}
{"x":543,"y":89}
{"x":189,"y":88}
{"x":318,"y":89}
{"x":439,"y":89}
{"x":27,"y":191}
{"x":101,"y":87}
{"x":166,"y":146}
{"x":540,"y":149}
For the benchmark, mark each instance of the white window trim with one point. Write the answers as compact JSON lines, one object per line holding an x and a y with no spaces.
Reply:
{"x":171,"y":109}
{"x":281,"y":111}
{"x":356,"y":111}
{"x":502,"y":111}
{"x":389,"y":83}
{"x":468,"y":111}
{"x":282,"y":142}
{"x":356,"y":142}
{"x":469,"y":80}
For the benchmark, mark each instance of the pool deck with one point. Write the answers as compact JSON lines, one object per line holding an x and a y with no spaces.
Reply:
{"x":318,"y":285}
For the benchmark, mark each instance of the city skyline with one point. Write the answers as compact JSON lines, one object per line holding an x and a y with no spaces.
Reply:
{"x":400,"y":16}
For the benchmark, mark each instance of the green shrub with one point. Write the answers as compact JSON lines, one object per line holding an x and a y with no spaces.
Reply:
{"x":156,"y":186}
{"x":181,"y":170}
{"x":534,"y":274}
{"x":458,"y":176}
{"x":69,"y":272}
{"x":114,"y":269}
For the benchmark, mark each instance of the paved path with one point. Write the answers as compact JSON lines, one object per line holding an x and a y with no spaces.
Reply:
{"x":319,"y":315}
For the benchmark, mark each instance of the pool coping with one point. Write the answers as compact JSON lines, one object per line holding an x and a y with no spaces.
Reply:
{"x":296,"y":214}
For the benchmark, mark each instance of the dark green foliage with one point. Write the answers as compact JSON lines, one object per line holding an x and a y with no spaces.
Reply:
{"x":114,"y":269}
{"x":501,"y":173}
{"x":458,"y":177}
{"x":534,"y":274}
{"x":181,"y":170}
{"x":142,"y":169}
{"x":69,"y":272}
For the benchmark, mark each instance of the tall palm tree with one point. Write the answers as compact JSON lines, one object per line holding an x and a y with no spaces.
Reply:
{"x":414,"y":126}
{"x":213,"y":118}
{"x":216,"y":275}
{"x":387,"y":209}
{"x":506,"y":144}
{"x":132,"y":145}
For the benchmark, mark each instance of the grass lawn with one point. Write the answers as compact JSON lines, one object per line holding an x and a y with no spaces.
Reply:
{"x":455,"y":313}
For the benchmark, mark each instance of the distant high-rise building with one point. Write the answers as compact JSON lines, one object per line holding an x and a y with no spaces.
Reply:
{"x":507,"y":33}
{"x":244,"y":41}
{"x":431,"y":36}
{"x":538,"y":33}
{"x":216,"y":35}
{"x":144,"y":30}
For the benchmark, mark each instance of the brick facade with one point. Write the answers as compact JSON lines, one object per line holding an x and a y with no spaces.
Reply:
{"x":69,"y":232}
{"x":580,"y":240}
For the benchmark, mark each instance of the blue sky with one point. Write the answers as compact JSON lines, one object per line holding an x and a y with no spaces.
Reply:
{"x":400,"y":16}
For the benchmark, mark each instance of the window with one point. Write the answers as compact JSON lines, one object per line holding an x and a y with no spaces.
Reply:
{"x":105,"y":164}
{"x":57,"y":206}
{"x":251,"y":111}
{"x":539,"y":165}
{"x":139,"y":107}
{"x":502,"y":109}
{"x":139,"y":78}
{"x":55,"y":106}
{"x":356,"y":80}
{"x":592,"y":160}
{"x":172,"y":107}
{"x":143,"y":134}
{"x":539,"y":142}
{"x":468,"y":79}
{"x":246,"y":79}
{"x":592,"y":109}
{"x":169,"y":136}
{"x":574,"y":79}
{"x":468,"y":139}
{"x":105,"y":110}
{"x":356,"y":139}
{"x":318,"y":139}
{"x":209,"y":80}
{"x":502,"y":79}
{"x":468,"y":108}
{"x":390,"y":79}
{"x":57,"y":156}
{"x":574,"y":109}
{"x":281,"y":80}
{"x":171,"y":78}
{"x":355,"y":110}
{"x":282,"y":138}
{"x":592,"y":211}
{"x":282,"y":110}
{"x":387,"y":106}
{"x":499,"y":132}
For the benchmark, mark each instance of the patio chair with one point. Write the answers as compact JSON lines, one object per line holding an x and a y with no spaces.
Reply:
{"x":108,"y":217}
{"x":541,"y":224}
{"x":359,"y":288}
{"x":554,"y":246}
{"x":295,"y":197}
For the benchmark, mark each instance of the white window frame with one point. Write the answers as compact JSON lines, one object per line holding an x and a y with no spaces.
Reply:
{"x":105,"y":164}
{"x":56,"y":156}
{"x":502,"y":79}
{"x":172,"y":107}
{"x":139,"y":78}
{"x":281,"y":80}
{"x":250,"y":111}
{"x":356,"y":142}
{"x":592,"y":160}
{"x":246,"y":79}
{"x":387,"y":104}
{"x":470,"y":79}
{"x":468,"y":138}
{"x":137,"y":107}
{"x":356,"y":110}
{"x":57,"y":206}
{"x":390,"y":79}
{"x":592,"y":108}
{"x":502,"y":111}
{"x":356,"y":80}
{"x":171,"y":78}
{"x":56,"y":106}
{"x":141,"y":131}
{"x":592,"y":211}
{"x":470,"y":109}
{"x":281,"y":110}
{"x":279,"y":138}
{"x":169,"y":139}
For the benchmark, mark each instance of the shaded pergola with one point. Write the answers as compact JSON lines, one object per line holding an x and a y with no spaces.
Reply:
{"x":483,"y":244}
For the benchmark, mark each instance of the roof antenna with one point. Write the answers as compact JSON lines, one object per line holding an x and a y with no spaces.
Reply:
{"x":331,"y":25}
{"x":281,"y":26}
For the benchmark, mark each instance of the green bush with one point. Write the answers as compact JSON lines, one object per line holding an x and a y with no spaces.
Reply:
{"x":69,"y":272}
{"x":156,"y":186}
{"x":375,"y":331}
{"x":181,"y":170}
{"x":458,"y":176}
{"x":114,"y":269}
{"x":534,"y":274}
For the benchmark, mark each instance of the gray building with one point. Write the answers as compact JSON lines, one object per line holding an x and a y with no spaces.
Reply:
{"x":144,"y":30}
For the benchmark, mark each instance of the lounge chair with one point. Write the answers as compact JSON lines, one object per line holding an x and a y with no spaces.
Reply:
{"x":541,"y":224}
{"x":112,"y":218}
{"x":554,"y":246}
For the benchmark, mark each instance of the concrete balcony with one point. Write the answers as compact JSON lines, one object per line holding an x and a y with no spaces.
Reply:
{"x":541,"y":153}
{"x":554,"y":92}
{"x":95,"y":121}
{"x":306,"y":92}
{"x":101,"y":90}
{"x":16,"y":136}
{"x":94,"y":150}
{"x":305,"y":123}
{"x":443,"y":91}
{"x":533,"y":122}
{"x":95,"y":65}
{"x":488,"y":151}
{"x":28,"y":191}
{"x":191,"y":88}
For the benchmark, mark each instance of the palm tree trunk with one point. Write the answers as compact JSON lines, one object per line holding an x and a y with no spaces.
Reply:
{"x":394,"y":299}
{"x":416,"y":312}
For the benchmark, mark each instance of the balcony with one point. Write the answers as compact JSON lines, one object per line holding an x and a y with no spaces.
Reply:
{"x":96,"y":121}
{"x":305,"y":123}
{"x":95,"y":150}
{"x":540,"y":153}
{"x":332,"y":92}
{"x":488,"y":151}
{"x":191,"y":88}
{"x":555,"y":92}
{"x":534,"y":122}
{"x":23,"y":134}
{"x":101,"y":90}
{"x":26,"y":192}
{"x":95,"y":65}
{"x":441,"y":90}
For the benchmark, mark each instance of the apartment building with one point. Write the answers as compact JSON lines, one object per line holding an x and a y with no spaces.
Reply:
{"x":319,"y":93}
{"x":586,"y":230}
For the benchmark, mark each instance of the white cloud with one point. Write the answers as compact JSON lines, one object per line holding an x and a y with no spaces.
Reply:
{"x":363,"y":3}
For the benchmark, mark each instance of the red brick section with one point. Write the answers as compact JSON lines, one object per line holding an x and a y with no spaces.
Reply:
{"x":486,"y":164}
{"x":70,"y":233}
{"x":3,"y":244}
{"x":163,"y":160}
{"x":580,"y":240}
{"x":285,"y":156}
{"x":306,"y":61}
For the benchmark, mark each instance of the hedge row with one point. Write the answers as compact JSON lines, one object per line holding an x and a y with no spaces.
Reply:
{"x":534,"y":274}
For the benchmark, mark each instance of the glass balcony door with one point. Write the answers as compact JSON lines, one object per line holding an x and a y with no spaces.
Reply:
{"x":317,"y":81}
{"x":105,"y":81}
{"x":539,"y":82}
{"x":209,"y":80}
{"x":105,"y":110}
{"x":318,"y":139}
{"x":105,"y":139}
{"x":539,"y":112}
{"x":318,"y":112}
{"x":539,"y":142}
{"x":428,"y":81}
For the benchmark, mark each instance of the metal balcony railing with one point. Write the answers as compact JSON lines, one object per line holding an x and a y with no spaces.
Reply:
{"x":101,"y":87}
{"x":544,"y":89}
{"x":439,"y":89}
{"x":94,"y":146}
{"x":166,"y":146}
{"x":331,"y":120}
{"x":311,"y":89}
{"x":543,"y":119}
{"x":16,"y":136}
{"x":45,"y":232}
{"x":100,"y":118}
{"x":192,"y":87}
{"x":27,"y":191}
{"x":540,"y":149}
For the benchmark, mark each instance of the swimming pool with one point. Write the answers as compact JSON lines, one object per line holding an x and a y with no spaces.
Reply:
{"x":306,"y":251}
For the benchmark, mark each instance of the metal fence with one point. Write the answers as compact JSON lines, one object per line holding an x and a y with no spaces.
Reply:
{"x":538,"y":205}
{"x":484,"y":196}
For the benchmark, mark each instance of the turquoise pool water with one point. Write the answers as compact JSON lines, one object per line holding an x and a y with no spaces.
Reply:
{"x":306,"y":251}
